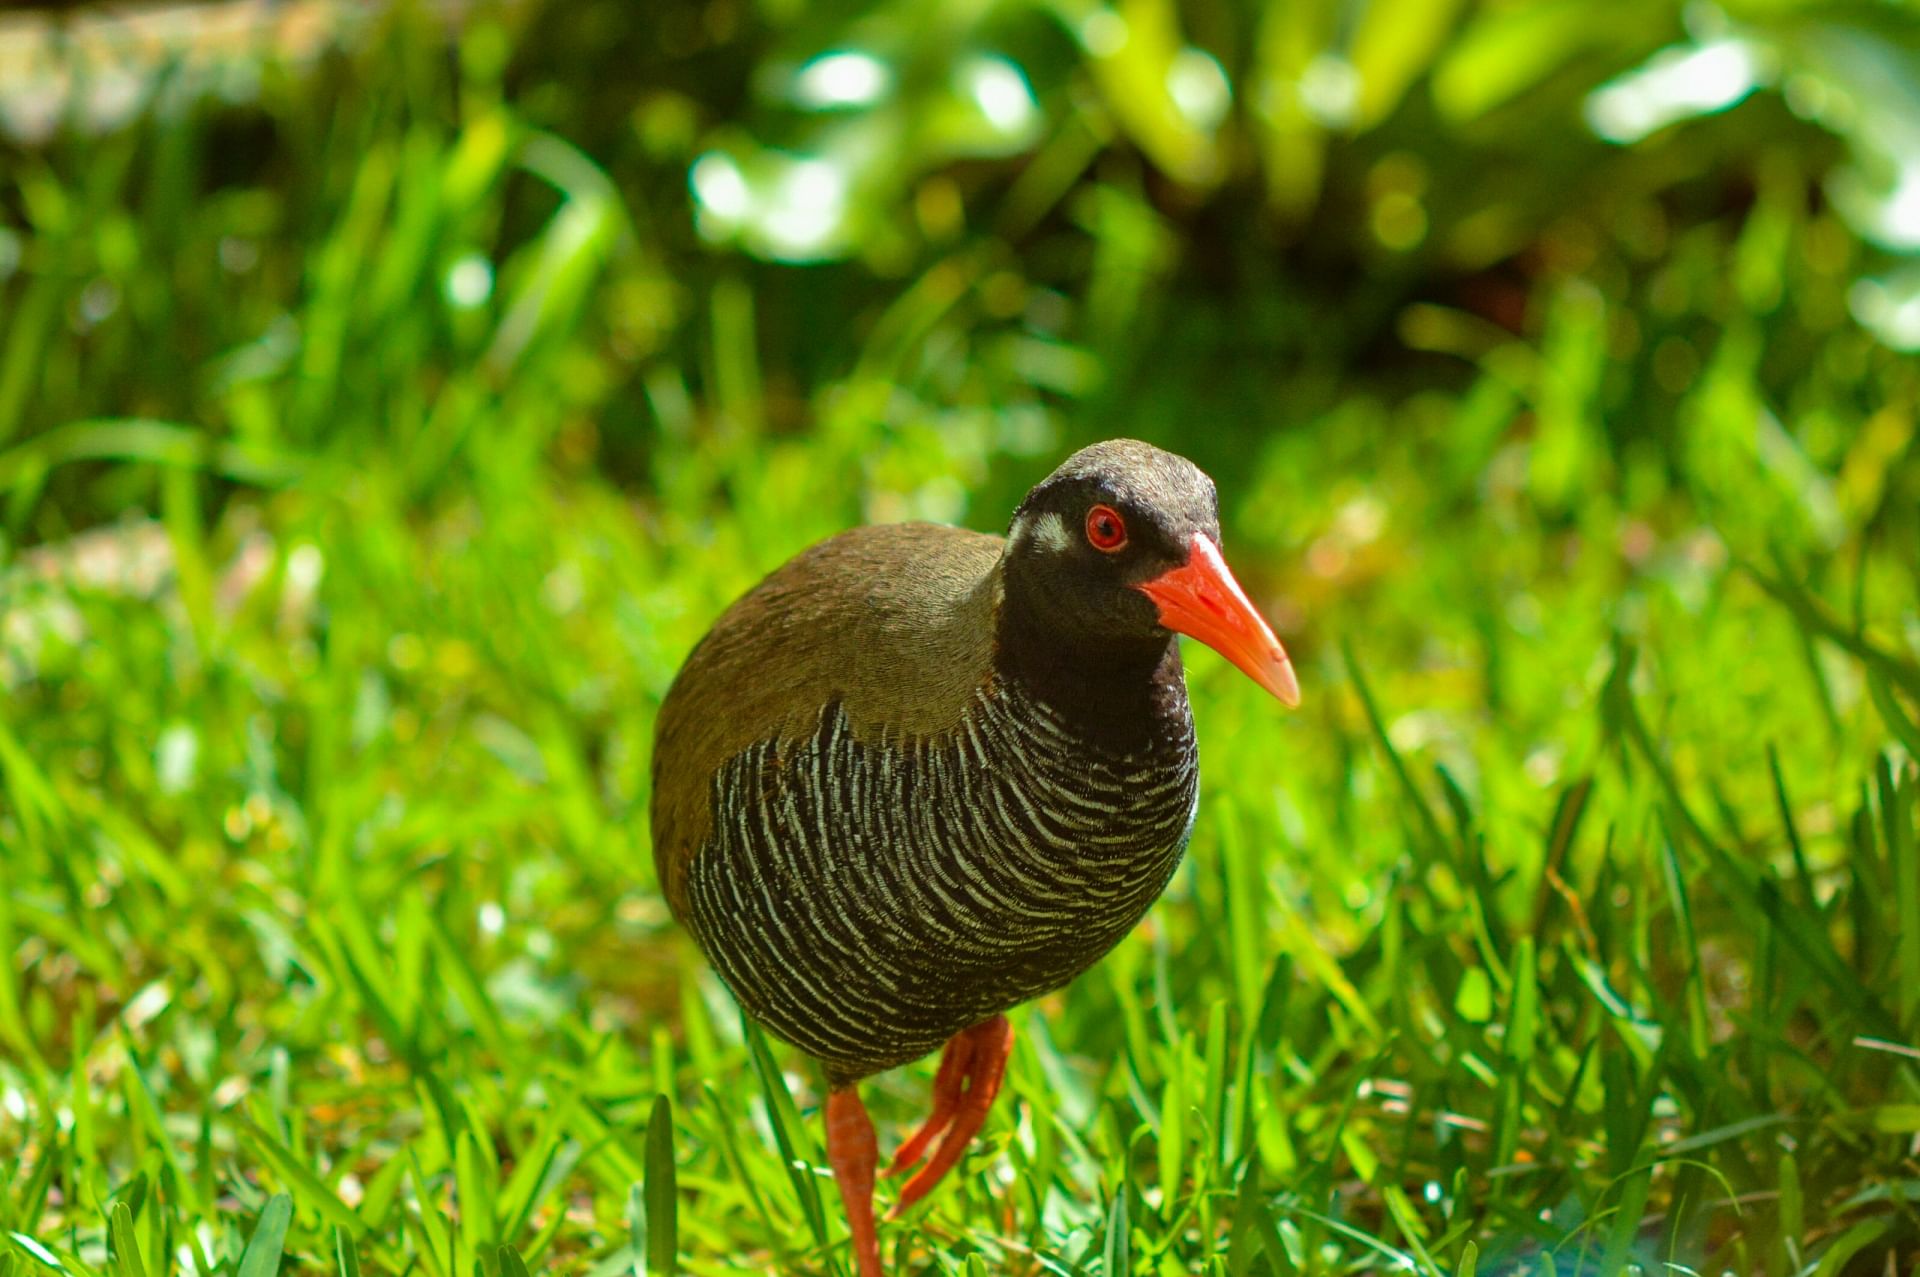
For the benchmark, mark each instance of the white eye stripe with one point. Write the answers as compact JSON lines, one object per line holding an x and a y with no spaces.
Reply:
{"x":1048,"y":531}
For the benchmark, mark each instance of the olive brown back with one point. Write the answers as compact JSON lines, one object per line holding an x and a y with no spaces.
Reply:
{"x":894,"y":623}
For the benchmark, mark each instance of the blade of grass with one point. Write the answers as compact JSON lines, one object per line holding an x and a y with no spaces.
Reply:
{"x":436,"y":1236}
{"x":1897,"y":808}
{"x":1117,"y":1251}
{"x":728,"y":1140}
{"x":786,"y":1130}
{"x":1634,"y":1191}
{"x":1803,"y":876}
{"x":663,"y":1223}
{"x":1813,"y":616}
{"x":158,"y":442}
{"x":1682,"y":906}
{"x":41,"y":1255}
{"x":524,"y":1189}
{"x":1750,"y":888}
{"x":261,"y":1258}
{"x":1834,"y":1260}
{"x":1435,"y":841}
{"x":312,"y":1190}
{"x":1407,"y":1220}
{"x":126,"y":1250}
{"x":346,"y":1259}
{"x":637,"y":1248}
{"x":1891,"y":713}
{"x":1517,"y":1051}
{"x":472,"y":1178}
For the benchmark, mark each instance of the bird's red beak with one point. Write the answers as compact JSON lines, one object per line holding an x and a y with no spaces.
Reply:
{"x":1201,"y":598}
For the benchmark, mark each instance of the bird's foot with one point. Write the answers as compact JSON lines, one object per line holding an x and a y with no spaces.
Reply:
{"x":852,"y":1153}
{"x":976,"y":1058}
{"x":949,"y":1084}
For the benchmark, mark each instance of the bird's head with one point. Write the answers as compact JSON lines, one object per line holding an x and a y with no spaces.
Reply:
{"x":1121,"y":545}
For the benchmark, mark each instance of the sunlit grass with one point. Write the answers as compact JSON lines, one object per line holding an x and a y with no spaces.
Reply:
{"x":338,"y":889}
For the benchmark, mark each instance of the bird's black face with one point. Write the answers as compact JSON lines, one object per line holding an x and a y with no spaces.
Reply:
{"x":1120,"y":546}
{"x":1113,"y":517}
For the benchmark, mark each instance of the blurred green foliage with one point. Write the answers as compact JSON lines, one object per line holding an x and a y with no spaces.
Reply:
{"x":380,"y":425}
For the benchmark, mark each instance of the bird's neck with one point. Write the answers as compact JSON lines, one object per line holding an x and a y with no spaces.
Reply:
{"x":1124,"y":698}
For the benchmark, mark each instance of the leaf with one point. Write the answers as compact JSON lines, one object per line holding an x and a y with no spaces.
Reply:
{"x":1174,"y":1101}
{"x":459,"y":975}
{"x":1473,"y":1000}
{"x":1119,"y":1247}
{"x":311,"y":1188}
{"x":663,"y":1225}
{"x":1407,"y":1219}
{"x":1814,"y":617}
{"x":785,"y":1120}
{"x":126,"y":1250}
{"x":157,"y":442}
{"x":346,"y":1260}
{"x":1851,"y":1243}
{"x":1626,"y":1221}
{"x":1744,"y":885}
{"x":1895,"y":1119}
{"x":1395,"y":42}
{"x":1792,"y":1200}
{"x":133,"y":1194}
{"x":1897,"y":720}
{"x":523,"y":1194}
{"x":1507,"y":50}
{"x":1683,"y":914}
{"x":1243,"y":1234}
{"x":261,"y":1258}
{"x":1522,"y":1019}
{"x":1435,"y":843}
{"x":1897,"y":818}
{"x":1215,"y":1087}
{"x":472,"y":1177}
{"x":434,"y":1227}
{"x":36,"y":1251}
{"x":637,"y":1229}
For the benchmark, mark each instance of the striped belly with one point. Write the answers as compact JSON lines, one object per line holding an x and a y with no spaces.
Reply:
{"x":866,"y":901}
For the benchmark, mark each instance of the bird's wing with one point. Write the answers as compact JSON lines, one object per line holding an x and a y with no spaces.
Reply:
{"x":894,"y":622}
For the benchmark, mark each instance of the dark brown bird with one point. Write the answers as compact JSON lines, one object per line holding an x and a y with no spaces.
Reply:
{"x":920,"y":775}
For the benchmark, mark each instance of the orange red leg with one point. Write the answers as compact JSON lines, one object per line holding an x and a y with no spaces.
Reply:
{"x":977,"y":1058}
{"x":971,"y":1070}
{"x":948,"y":1086}
{"x":853,"y":1154}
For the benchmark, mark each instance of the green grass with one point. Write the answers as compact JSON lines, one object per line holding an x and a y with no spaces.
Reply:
{"x":1571,"y":926}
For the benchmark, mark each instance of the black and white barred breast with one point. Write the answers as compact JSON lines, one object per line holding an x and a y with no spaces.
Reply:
{"x":866,"y":900}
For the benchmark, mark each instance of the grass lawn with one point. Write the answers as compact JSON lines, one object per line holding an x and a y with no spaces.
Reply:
{"x":368,"y":464}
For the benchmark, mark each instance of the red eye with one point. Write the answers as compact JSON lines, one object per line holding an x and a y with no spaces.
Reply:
{"x":1106,"y":530}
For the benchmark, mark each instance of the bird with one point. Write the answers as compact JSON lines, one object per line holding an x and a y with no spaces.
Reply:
{"x":920,"y":775}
